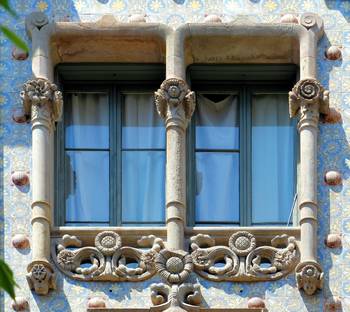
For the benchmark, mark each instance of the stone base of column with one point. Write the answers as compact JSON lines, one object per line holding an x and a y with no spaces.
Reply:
{"x":41,"y":277}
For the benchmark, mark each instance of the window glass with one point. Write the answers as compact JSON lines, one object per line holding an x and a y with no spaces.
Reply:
{"x":87,"y":120}
{"x":87,"y":158}
{"x":273,"y":154}
{"x":142,"y":125}
{"x":87,"y":186}
{"x":217,"y":159}
{"x":143,"y":161}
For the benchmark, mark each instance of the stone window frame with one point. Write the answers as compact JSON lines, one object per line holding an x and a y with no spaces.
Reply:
{"x":175,"y":103}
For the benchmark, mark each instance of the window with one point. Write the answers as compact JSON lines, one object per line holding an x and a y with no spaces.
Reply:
{"x":242,"y":150}
{"x":111,"y":155}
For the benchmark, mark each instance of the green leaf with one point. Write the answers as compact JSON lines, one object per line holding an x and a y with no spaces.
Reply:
{"x":14,"y":38}
{"x":5,"y":4}
{"x":7,"y":281}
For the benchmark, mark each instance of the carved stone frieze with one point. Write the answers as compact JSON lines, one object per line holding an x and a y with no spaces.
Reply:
{"x":41,"y":99}
{"x":309,"y":99}
{"x":175,"y":102}
{"x":41,"y":277}
{"x":108,"y":260}
{"x":309,"y":277}
{"x":186,"y":297}
{"x":242,"y":260}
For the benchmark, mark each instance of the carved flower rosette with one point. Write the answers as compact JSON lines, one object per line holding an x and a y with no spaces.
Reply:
{"x":108,"y":260}
{"x":242,"y":260}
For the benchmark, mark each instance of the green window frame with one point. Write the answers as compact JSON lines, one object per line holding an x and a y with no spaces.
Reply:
{"x":116,"y":80}
{"x":243,"y":81}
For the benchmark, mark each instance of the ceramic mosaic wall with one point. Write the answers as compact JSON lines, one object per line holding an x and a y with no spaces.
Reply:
{"x":334,"y":202}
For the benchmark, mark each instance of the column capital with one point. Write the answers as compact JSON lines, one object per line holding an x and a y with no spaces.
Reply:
{"x":42,"y":101}
{"x":309,"y":99}
{"x":175,"y":102}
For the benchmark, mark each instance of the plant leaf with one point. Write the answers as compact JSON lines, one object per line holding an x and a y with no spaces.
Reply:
{"x":5,"y":4}
{"x":7,"y":281}
{"x":14,"y":38}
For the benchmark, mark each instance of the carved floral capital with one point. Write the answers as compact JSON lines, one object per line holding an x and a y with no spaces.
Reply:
{"x":309,"y":277}
{"x":42,"y":100}
{"x":175,"y":102}
{"x":308,"y":98}
{"x":41,"y":277}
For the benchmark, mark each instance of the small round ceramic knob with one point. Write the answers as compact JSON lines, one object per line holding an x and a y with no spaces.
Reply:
{"x":20,"y":178}
{"x":332,"y":178}
{"x":333,"y":304}
{"x":333,"y":53}
{"x":212,"y":18}
{"x":20,"y":241}
{"x":19,"y":55}
{"x":96,"y":302}
{"x":256,"y":303}
{"x":19,"y":116}
{"x":289,"y":18}
{"x":20,"y":304}
{"x":333,"y":116}
{"x":333,"y":241}
{"x":137,"y":18}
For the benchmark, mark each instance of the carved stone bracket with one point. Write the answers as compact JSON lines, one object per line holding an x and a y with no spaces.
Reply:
{"x":242,"y":260}
{"x":309,"y":277}
{"x":175,"y":102}
{"x":108,"y":260}
{"x":41,"y":99}
{"x":41,"y":277}
{"x":186,"y":297}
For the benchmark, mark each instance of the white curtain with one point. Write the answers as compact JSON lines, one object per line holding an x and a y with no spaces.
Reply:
{"x":273,"y":159}
{"x":87,"y":172}
{"x":217,"y":168}
{"x":143,"y":168}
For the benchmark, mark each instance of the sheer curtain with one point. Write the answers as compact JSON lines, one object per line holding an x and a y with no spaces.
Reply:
{"x":217,"y":159}
{"x":143,"y":161}
{"x":87,"y":158}
{"x":273,"y":159}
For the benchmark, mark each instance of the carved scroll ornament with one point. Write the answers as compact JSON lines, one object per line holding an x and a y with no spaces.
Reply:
{"x":242,"y":260}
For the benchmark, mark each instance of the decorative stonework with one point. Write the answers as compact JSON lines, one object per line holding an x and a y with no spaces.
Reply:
{"x":309,"y":98}
{"x":175,"y":102}
{"x":174,"y":266}
{"x":41,"y":277}
{"x":186,"y":297}
{"x":41,"y":99}
{"x":109,"y":260}
{"x":309,"y":276}
{"x":242,"y":260}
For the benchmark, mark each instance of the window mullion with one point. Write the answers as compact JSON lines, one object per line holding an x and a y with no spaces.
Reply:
{"x":248,"y":158}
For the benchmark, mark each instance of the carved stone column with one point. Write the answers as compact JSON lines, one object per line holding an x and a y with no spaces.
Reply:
{"x":175,"y":104}
{"x":43,"y":102}
{"x":308,"y":99}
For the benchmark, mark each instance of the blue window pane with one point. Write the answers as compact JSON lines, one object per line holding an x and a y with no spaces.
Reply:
{"x":87,"y":121}
{"x":217,"y":123}
{"x":273,"y":159}
{"x":143,"y":186}
{"x":217,"y":187}
{"x":142,"y":126}
{"x":87,"y":186}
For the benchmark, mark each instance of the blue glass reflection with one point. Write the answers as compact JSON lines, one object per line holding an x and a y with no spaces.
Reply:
{"x":273,"y":159}
{"x":217,"y":187}
{"x":143,"y":186}
{"x":87,"y":186}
